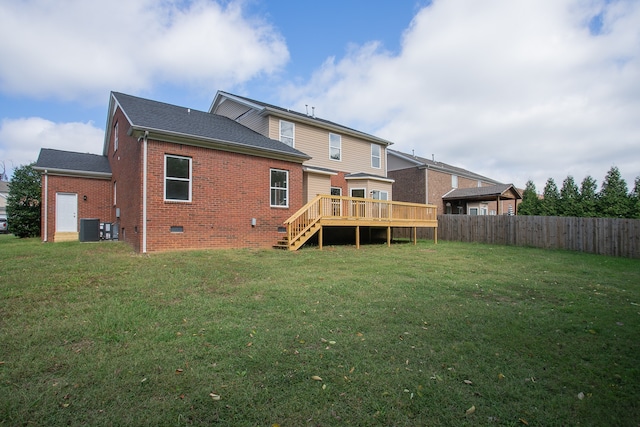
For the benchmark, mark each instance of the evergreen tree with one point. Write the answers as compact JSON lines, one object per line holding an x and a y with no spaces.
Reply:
{"x":635,"y":199}
{"x":613,"y":199}
{"x":23,"y":203}
{"x":530,"y":202}
{"x":588,"y":197}
{"x":569,"y":199}
{"x":550,"y":198}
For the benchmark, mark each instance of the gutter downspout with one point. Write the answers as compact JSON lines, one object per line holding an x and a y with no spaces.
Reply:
{"x":144,"y":193}
{"x":46,"y":204}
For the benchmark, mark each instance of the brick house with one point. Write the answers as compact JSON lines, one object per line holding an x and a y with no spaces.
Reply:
{"x":452,"y":189}
{"x":172,"y":178}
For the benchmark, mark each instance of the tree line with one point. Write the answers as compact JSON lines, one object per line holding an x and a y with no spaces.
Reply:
{"x":612,"y":201}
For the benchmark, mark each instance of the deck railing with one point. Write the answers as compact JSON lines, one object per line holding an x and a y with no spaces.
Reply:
{"x":345,"y":211}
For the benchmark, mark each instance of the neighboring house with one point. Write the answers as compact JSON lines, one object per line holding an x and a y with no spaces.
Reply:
{"x":452,"y":189}
{"x":171,"y":177}
{"x":4,"y":193}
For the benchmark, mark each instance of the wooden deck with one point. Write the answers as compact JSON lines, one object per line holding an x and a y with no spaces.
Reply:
{"x":340,"y":211}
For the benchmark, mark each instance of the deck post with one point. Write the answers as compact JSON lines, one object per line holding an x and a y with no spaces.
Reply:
{"x":388,"y":236}
{"x":415,"y":235}
{"x":320,"y":238}
{"x":357,"y":237}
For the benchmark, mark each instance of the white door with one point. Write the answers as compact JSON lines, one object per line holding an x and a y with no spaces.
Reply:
{"x":66,"y":212}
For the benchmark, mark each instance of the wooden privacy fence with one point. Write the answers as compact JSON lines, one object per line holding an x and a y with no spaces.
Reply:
{"x":604,"y":236}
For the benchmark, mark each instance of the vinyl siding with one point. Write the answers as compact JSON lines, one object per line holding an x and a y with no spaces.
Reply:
{"x":250,"y":119}
{"x":356,"y":153}
{"x":315,"y":184}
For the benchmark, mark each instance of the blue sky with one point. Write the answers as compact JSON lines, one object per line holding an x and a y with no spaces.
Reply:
{"x":512,"y":90}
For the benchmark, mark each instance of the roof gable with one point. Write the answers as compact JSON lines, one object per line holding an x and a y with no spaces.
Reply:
{"x":479,"y":193}
{"x":206,"y":128}
{"x":265,"y":108}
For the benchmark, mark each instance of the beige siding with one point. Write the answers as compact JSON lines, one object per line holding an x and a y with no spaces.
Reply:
{"x":356,"y":153}
{"x":315,"y":184}
{"x":231,"y":109}
{"x":243,"y":115}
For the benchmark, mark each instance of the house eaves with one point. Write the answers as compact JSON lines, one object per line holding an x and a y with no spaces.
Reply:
{"x":362,"y":175}
{"x":265,"y":109}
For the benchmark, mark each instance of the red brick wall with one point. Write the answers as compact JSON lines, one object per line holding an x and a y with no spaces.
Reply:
{"x":409,"y":185}
{"x":228,"y":190}
{"x":339,"y":181}
{"x":97,"y":205}
{"x":126,"y":169}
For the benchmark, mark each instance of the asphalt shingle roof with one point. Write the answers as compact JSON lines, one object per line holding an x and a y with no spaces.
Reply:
{"x":168,"y":118}
{"x":467,"y":193}
{"x":72,"y":161}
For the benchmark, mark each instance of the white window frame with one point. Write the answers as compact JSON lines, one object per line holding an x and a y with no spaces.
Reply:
{"x":379,"y":195}
{"x":339,"y":190}
{"x":115,"y":193}
{"x":172,"y":178}
{"x":471,"y":210}
{"x":273,"y":188}
{"x":454,"y":181}
{"x":333,"y":138}
{"x":283,"y":137}
{"x":115,"y":137}
{"x":376,"y":157}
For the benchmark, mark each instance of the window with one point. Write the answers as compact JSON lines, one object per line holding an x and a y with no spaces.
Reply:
{"x":473,"y":211}
{"x":375,"y":156}
{"x":177,"y":178}
{"x":115,"y":193}
{"x":479,"y":183}
{"x":379,"y":195}
{"x":357,"y":192}
{"x":115,"y":137}
{"x":335,"y":147}
{"x":279,"y":188}
{"x":454,"y":181}
{"x":336,"y":191}
{"x":287,"y":132}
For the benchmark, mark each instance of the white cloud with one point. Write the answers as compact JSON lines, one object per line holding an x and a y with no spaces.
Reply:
{"x":21,"y":139}
{"x":80,"y":49}
{"x":512,"y":90}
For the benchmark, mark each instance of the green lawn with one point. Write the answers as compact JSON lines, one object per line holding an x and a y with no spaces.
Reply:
{"x":451,"y":334}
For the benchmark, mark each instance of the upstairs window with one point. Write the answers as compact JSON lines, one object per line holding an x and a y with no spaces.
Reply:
{"x":177,"y":178}
{"x":286,"y":133}
{"x":335,"y":147}
{"x":454,"y":181}
{"x":115,"y":137}
{"x":375,"y":156}
{"x":279,"y":188}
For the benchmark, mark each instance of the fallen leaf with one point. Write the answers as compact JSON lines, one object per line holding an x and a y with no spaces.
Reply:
{"x":214,"y":396}
{"x":249,"y":344}
{"x":467,"y":382}
{"x":500,"y":376}
{"x":470,"y":410}
{"x":332,"y":342}
{"x":316,"y":378}
{"x":179,"y":371}
{"x":324,"y":386}
{"x":581,"y":395}
{"x":523,"y":421}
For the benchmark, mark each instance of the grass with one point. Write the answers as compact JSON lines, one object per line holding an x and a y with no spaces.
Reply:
{"x":447,"y":334}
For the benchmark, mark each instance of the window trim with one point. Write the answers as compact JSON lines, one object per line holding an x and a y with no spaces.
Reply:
{"x":364,"y":192}
{"x":115,"y":137}
{"x":378,"y":156}
{"x":272,"y":188}
{"x":293,"y":133}
{"x":189,"y":180}
{"x":379,"y":193}
{"x":339,"y":147}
